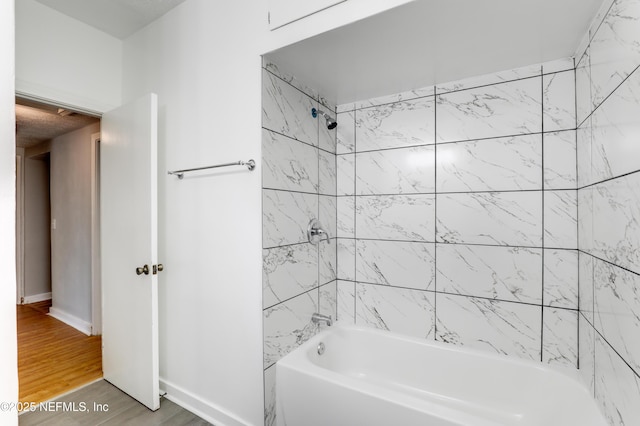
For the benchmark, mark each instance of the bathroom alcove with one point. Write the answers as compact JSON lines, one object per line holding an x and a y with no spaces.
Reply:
{"x":419,"y":45}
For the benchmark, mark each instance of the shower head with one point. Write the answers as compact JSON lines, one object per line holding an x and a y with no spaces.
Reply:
{"x":331,"y":123}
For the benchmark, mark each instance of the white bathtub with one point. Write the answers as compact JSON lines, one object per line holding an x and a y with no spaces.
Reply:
{"x":371,"y":377}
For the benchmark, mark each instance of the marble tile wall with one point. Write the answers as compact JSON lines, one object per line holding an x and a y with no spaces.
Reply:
{"x":299,"y":183}
{"x":608,"y":161}
{"x":457,"y":213}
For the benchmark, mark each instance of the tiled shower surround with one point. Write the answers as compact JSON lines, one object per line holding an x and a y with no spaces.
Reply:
{"x":299,"y":184}
{"x":608,"y":105}
{"x":457,"y":211}
{"x":471,"y":212}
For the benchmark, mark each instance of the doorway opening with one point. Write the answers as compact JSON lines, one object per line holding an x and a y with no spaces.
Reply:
{"x":57,"y":260}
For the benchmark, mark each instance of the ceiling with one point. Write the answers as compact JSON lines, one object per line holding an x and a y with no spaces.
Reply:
{"x":419,"y":44}
{"x":435,"y":41}
{"x":37,"y":123}
{"x":119,"y":18}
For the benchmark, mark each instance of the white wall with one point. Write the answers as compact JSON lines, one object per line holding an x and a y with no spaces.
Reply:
{"x":203,"y":61}
{"x":37,"y":236}
{"x":8,"y":354}
{"x":71,"y":209}
{"x":59,"y":58}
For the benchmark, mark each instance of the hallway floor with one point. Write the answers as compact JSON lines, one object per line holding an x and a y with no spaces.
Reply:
{"x":101,"y":403}
{"x":53,"y":358}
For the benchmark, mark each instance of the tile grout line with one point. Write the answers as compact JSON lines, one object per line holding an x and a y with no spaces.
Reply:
{"x":542,"y":116}
{"x":435,"y":217}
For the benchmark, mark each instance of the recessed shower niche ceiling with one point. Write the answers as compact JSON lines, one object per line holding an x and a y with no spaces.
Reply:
{"x":435,"y":41}
{"x":119,"y":18}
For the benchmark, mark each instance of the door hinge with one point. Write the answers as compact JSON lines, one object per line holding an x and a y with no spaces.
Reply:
{"x":269,"y":17}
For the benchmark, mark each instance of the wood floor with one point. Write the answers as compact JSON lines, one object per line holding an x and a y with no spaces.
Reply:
{"x":53,"y":358}
{"x":103,"y":404}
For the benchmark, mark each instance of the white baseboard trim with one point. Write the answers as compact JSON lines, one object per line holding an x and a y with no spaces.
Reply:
{"x":37,"y":298}
{"x":198,"y":406}
{"x":73,"y":321}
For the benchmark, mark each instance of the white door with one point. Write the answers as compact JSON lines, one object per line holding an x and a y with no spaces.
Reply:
{"x":128,"y":214}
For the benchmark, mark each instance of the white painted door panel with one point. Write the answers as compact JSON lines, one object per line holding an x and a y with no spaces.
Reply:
{"x":282,"y":12}
{"x":128,"y":207}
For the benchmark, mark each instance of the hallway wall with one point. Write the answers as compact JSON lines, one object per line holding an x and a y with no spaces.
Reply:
{"x":71,"y":240}
{"x":37,"y":231}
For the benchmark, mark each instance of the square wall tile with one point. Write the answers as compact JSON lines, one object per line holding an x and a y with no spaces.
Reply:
{"x":506,"y":273}
{"x":584,"y":154}
{"x":617,"y":310}
{"x":327,"y":179}
{"x":286,"y":110}
{"x":328,"y":261}
{"x":421,"y":92}
{"x":560,"y":219}
{"x":499,"y":218}
{"x":559,"y":101}
{"x":583,"y":88}
{"x":615,"y":49}
{"x":400,"y":310}
{"x":396,"y":263}
{"x":560,"y":170}
{"x":288,"y":78}
{"x":346,"y":259}
{"x":587,"y":288}
{"x":288,"y":164}
{"x":503,"y":327}
{"x":586,"y":347}
{"x":490,"y":79}
{"x":396,"y":217}
{"x":617,"y":387}
{"x":504,"y":109}
{"x":285,"y":216}
{"x":346,"y":217}
{"x":346,"y":132}
{"x":396,"y":125}
{"x":346,"y":300}
{"x":615,"y":130}
{"x":585,"y":219}
{"x":288,"y":325}
{"x":561,"y":278}
{"x":346,"y":174}
{"x":327,"y":214}
{"x":270,"y":396}
{"x":328,"y":300}
{"x":560,"y":337}
{"x":502,"y":164}
{"x":396,"y":171}
{"x":616,"y":223}
{"x":288,"y":271}
{"x":564,"y":64}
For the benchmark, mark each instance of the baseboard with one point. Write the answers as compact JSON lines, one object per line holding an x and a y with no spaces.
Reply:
{"x":73,"y":321}
{"x":36,"y":298}
{"x":198,"y":406}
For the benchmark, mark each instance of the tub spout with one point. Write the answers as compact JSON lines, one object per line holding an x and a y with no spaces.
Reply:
{"x":317,"y":318}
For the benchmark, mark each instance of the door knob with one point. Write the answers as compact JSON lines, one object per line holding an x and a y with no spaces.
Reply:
{"x":143,"y":270}
{"x":158,"y":268}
